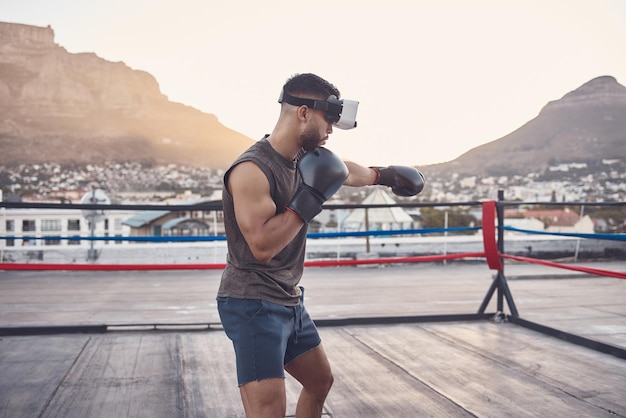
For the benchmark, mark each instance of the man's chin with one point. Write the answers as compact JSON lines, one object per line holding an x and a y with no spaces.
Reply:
{"x":309,"y":144}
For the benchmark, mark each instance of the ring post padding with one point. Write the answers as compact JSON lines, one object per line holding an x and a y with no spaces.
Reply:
{"x":489,"y":235}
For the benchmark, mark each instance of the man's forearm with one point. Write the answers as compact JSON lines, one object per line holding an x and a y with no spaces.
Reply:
{"x":359,"y":175}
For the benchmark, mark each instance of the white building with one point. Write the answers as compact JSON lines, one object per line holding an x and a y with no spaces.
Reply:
{"x":531,"y":224}
{"x":57,"y":227}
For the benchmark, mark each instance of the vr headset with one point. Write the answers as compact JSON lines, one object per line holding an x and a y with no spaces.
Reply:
{"x":341,"y":113}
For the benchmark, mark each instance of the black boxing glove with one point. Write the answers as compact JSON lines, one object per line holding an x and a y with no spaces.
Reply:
{"x":322,"y":173}
{"x":404,"y":181}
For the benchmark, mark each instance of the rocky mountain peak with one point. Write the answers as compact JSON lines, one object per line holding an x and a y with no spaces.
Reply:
{"x":79,"y":108}
{"x":600,"y":91}
{"x":586,"y":126}
{"x":16,"y":35}
{"x":37,"y":73}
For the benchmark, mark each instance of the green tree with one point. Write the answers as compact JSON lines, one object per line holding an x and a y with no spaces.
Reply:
{"x":457,"y":218}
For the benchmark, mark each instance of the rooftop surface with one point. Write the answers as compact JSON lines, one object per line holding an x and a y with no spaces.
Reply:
{"x":164,"y":354}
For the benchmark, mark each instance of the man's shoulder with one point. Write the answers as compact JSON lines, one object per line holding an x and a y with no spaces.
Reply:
{"x":255,"y":150}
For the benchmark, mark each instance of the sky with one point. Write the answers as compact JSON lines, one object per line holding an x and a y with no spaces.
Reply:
{"x":434,"y":78}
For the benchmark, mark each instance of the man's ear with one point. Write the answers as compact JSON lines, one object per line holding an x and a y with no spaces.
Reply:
{"x":303,"y":113}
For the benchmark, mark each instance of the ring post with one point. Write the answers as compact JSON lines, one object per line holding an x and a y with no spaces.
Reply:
{"x":493,"y":251}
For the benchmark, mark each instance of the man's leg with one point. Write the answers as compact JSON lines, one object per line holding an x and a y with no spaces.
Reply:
{"x":259,"y":336}
{"x":312,"y":370}
{"x":264,"y":398}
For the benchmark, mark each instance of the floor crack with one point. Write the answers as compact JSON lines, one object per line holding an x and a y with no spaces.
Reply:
{"x":413,"y":377}
{"x":64,"y":378}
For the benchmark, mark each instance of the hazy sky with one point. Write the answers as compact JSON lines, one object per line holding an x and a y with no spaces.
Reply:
{"x":435,"y":78}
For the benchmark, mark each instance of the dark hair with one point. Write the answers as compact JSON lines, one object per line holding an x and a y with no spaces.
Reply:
{"x":310,"y":86}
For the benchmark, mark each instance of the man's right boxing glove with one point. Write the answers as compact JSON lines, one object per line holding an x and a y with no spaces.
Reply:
{"x":404,"y":181}
{"x":322,"y":173}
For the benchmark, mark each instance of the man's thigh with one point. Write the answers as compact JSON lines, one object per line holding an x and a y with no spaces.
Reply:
{"x":264,"y":397}
{"x":260,"y":332}
{"x":311,"y":369}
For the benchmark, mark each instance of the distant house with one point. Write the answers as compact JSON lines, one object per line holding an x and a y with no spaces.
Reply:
{"x":185,"y":227}
{"x":556,"y":220}
{"x":148,"y":223}
{"x":176,"y":223}
{"x":600,"y":225}
{"x":583,"y":225}
{"x":532,"y":224}
{"x":378,"y":219}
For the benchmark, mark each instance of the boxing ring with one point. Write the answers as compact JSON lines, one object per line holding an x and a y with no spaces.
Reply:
{"x":493,"y":253}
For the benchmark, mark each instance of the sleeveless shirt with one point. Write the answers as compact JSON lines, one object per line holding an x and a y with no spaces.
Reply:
{"x":244,"y":276}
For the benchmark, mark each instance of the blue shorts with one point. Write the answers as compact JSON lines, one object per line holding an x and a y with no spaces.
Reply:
{"x":266,"y":336}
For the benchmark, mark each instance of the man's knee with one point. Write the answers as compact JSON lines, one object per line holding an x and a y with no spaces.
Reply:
{"x":320,"y":387}
{"x":329,"y":382}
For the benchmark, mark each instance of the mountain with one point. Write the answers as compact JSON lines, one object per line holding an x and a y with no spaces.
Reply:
{"x":67,"y":108}
{"x":584,"y":126}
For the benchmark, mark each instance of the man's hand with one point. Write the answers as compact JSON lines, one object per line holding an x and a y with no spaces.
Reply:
{"x":323,"y":173}
{"x":404,"y":181}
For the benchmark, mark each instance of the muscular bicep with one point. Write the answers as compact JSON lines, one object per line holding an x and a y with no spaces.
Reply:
{"x":252,"y":201}
{"x":255,"y":211}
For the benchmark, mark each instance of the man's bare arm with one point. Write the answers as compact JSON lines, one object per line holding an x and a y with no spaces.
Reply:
{"x":359,"y":175}
{"x":265,"y":232}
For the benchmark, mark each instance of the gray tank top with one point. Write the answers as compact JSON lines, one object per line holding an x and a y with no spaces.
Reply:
{"x":244,"y":276}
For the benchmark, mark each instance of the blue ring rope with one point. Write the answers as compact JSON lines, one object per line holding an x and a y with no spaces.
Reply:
{"x":316,"y":235}
{"x":192,"y":238}
{"x":612,"y":237}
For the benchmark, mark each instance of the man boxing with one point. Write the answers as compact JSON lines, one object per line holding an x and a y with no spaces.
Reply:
{"x":271,"y":192}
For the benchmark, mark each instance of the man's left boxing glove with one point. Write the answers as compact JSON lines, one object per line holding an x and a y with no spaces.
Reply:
{"x":322,"y":173}
{"x":404,"y":181}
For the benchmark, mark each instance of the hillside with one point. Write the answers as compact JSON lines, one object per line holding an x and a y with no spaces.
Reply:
{"x":586,"y":125}
{"x":56,"y":106}
{"x":67,"y":108}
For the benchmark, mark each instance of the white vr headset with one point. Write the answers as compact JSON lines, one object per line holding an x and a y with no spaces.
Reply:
{"x":341,"y":113}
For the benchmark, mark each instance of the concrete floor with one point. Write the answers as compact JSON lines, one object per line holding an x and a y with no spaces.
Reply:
{"x":141,"y":367}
